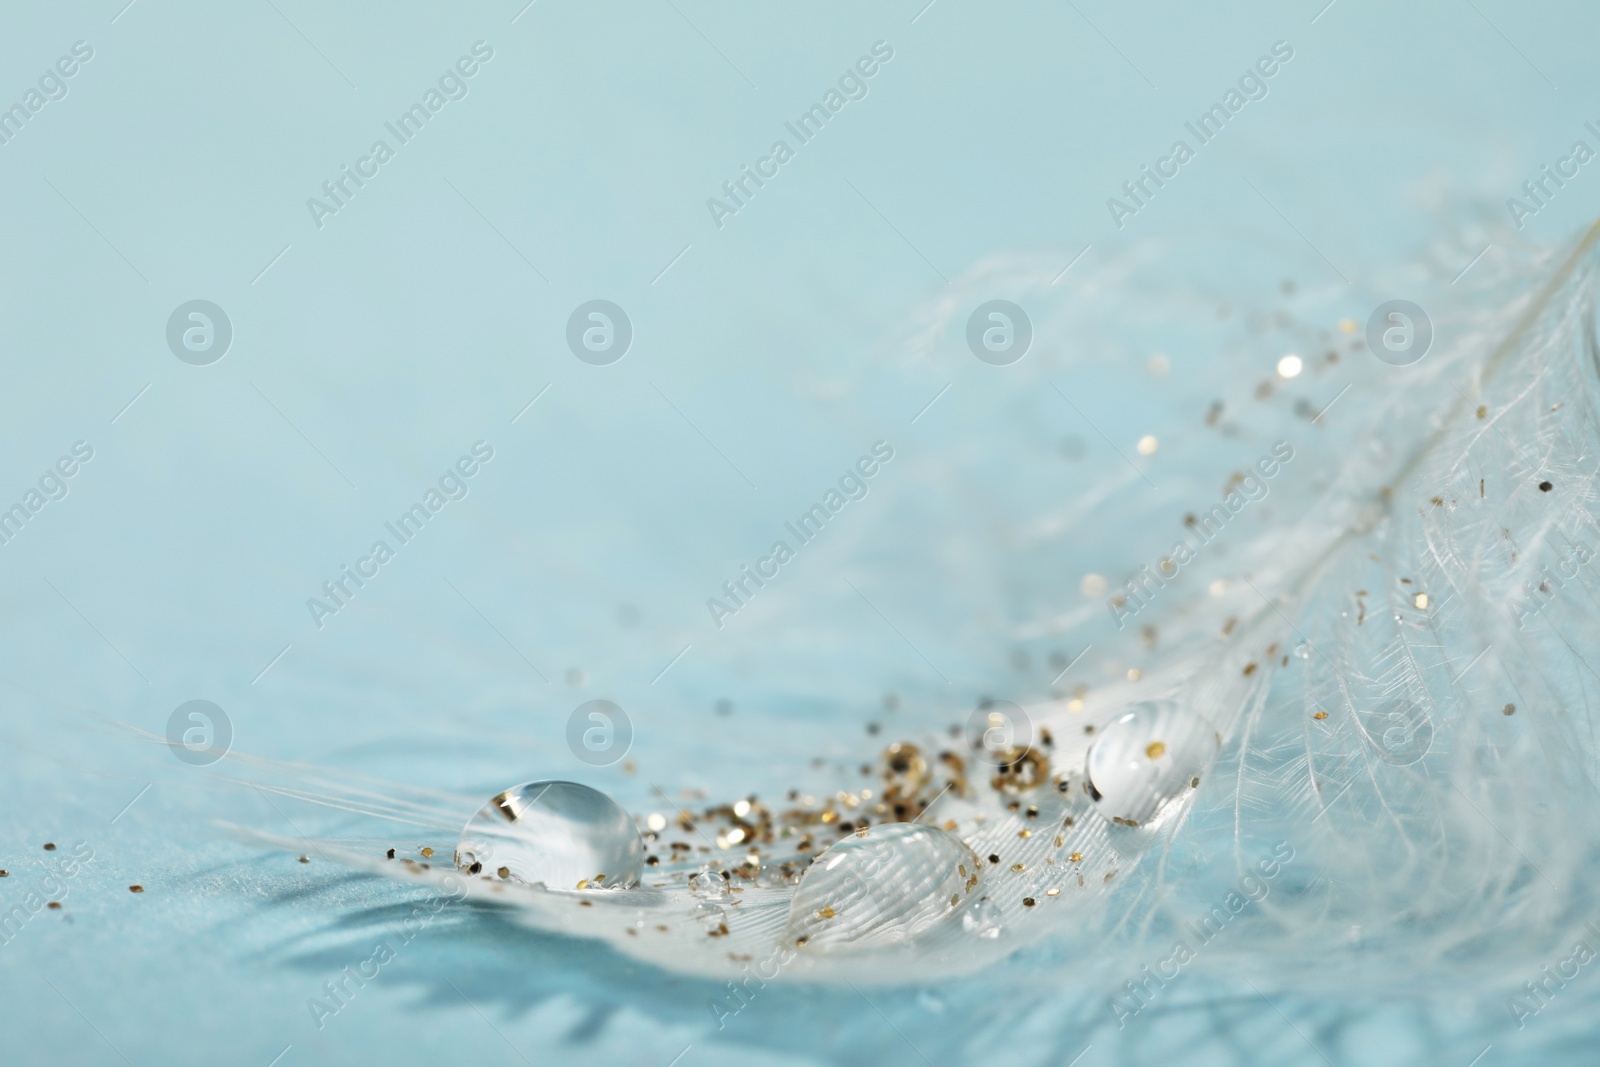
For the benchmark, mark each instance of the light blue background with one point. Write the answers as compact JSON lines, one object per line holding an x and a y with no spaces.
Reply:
{"x":379,"y":347}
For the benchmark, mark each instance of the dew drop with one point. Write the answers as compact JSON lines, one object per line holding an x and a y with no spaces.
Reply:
{"x":555,"y":834}
{"x":983,"y":919}
{"x":1146,"y":757}
{"x":708,"y":915}
{"x":709,"y":885}
{"x":1302,"y":650}
{"x":881,"y":887}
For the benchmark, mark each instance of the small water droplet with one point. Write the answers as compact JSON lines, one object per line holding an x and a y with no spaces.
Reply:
{"x":708,"y":915}
{"x":556,"y":834}
{"x":882,"y":887}
{"x":983,"y":919}
{"x":709,"y":885}
{"x":1144,"y":758}
{"x":771,"y":877}
{"x":1302,"y":650}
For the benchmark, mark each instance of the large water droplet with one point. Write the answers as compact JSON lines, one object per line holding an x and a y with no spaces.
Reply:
{"x":559,"y":834}
{"x":1148,"y":755}
{"x":983,"y":919}
{"x":881,"y":887}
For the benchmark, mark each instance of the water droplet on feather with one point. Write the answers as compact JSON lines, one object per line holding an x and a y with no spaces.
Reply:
{"x":881,"y":888}
{"x":1144,"y":758}
{"x":982,"y":919}
{"x":557,"y":834}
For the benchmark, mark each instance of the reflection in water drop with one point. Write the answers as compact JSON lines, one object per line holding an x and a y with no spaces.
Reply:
{"x":709,"y":916}
{"x":983,"y":919}
{"x":881,"y":887}
{"x":1145,"y":757}
{"x":559,"y":834}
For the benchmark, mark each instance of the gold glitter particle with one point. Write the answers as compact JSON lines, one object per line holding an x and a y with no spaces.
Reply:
{"x":1155,"y":749}
{"x":504,"y":872}
{"x":1147,"y":445}
{"x":1320,"y":715}
{"x":1060,"y":841}
{"x":826,"y":913}
{"x":1024,"y":833}
{"x":1076,"y":857}
{"x":1509,"y":709}
{"x":1052,"y":892}
{"x":1018,"y":868}
{"x":583,"y":883}
{"x":1420,"y":600}
{"x":1028,"y":902}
